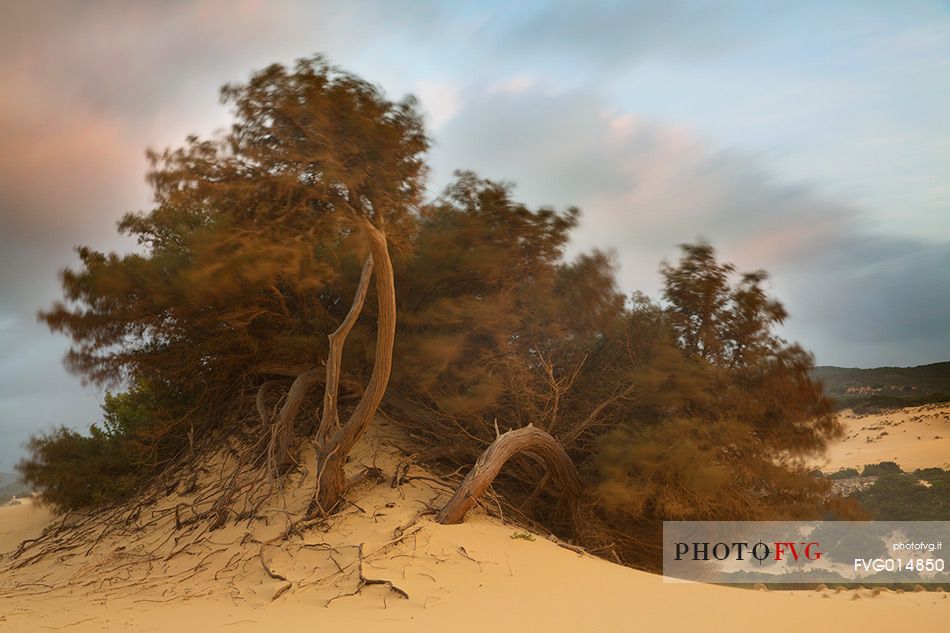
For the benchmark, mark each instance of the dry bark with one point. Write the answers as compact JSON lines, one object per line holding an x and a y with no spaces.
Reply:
{"x":331,"y":481}
{"x":262,"y":394}
{"x":528,"y":440}
{"x":330,"y":420}
{"x":282,"y":431}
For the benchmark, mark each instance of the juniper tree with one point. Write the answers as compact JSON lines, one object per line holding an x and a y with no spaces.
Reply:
{"x":247,"y":259}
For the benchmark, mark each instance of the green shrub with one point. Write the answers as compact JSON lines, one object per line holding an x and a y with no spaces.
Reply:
{"x":845,"y":473}
{"x":76,"y":472}
{"x":902,"y":497}
{"x":884,"y":468}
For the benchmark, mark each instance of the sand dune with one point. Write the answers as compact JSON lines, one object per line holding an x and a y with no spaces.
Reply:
{"x":915,"y":437}
{"x":500,"y":584}
{"x":20,"y":521}
{"x":383,"y":565}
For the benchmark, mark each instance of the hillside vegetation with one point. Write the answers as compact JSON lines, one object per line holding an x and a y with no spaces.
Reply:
{"x":12,"y":486}
{"x":869,"y":390}
{"x":889,"y":494}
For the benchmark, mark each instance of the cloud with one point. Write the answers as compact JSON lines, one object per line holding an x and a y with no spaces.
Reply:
{"x":440,"y":100}
{"x":614,"y":35}
{"x":513,"y":85}
{"x":856,"y":297}
{"x":540,"y":94}
{"x":84,"y":89}
{"x":35,"y":393}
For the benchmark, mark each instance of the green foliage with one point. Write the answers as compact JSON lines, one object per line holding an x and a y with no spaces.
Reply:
{"x":251,"y":251}
{"x":845,"y":473}
{"x":77,"y":471}
{"x":732,"y":370}
{"x":524,"y":536}
{"x":128,"y":413}
{"x":921,"y":496}
{"x":693,"y":408}
{"x":722,"y":413}
{"x":482,"y":294}
{"x":714,"y":320}
{"x":249,"y":237}
{"x":686,"y":469}
{"x":883,"y":468}
{"x":874,"y":390}
{"x":663,"y":431}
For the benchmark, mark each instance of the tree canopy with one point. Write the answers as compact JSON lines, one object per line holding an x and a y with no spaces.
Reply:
{"x":247,"y":258}
{"x":260,"y":238}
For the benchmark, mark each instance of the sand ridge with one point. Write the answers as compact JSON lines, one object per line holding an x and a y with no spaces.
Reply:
{"x":914,"y":437}
{"x":383,"y":564}
{"x":21,"y":520}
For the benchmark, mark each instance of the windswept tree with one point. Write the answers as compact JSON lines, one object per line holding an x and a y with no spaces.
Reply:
{"x":657,"y":429}
{"x":717,"y":321}
{"x":494,"y":324}
{"x":249,"y":260}
{"x":269,"y":265}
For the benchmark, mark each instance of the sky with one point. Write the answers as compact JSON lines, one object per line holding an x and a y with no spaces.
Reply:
{"x":811,"y":139}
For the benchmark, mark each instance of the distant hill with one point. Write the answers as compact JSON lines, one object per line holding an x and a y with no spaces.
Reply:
{"x":866,"y":390}
{"x":11,"y":485}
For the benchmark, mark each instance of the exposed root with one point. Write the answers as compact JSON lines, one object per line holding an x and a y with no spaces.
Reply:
{"x":363,"y":581}
{"x":227,"y":525}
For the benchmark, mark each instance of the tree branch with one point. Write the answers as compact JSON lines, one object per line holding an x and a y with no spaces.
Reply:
{"x":529,"y":439}
{"x":330,"y":419}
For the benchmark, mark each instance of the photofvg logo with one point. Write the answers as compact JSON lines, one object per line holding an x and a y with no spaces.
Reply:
{"x":760,"y":551}
{"x":741,"y":552}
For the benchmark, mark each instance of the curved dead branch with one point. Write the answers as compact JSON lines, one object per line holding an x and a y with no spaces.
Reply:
{"x":263,"y":393}
{"x":281,"y":446}
{"x":282,"y":432}
{"x":529,"y":440}
{"x":330,"y":419}
{"x":331,"y":481}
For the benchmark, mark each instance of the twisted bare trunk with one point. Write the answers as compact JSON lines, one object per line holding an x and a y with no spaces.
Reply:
{"x":282,"y":431}
{"x":262,"y":394}
{"x":529,"y":440}
{"x":330,"y":420}
{"x":331,"y":481}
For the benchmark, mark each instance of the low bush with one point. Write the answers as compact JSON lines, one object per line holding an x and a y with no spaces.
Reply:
{"x":883,"y":468}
